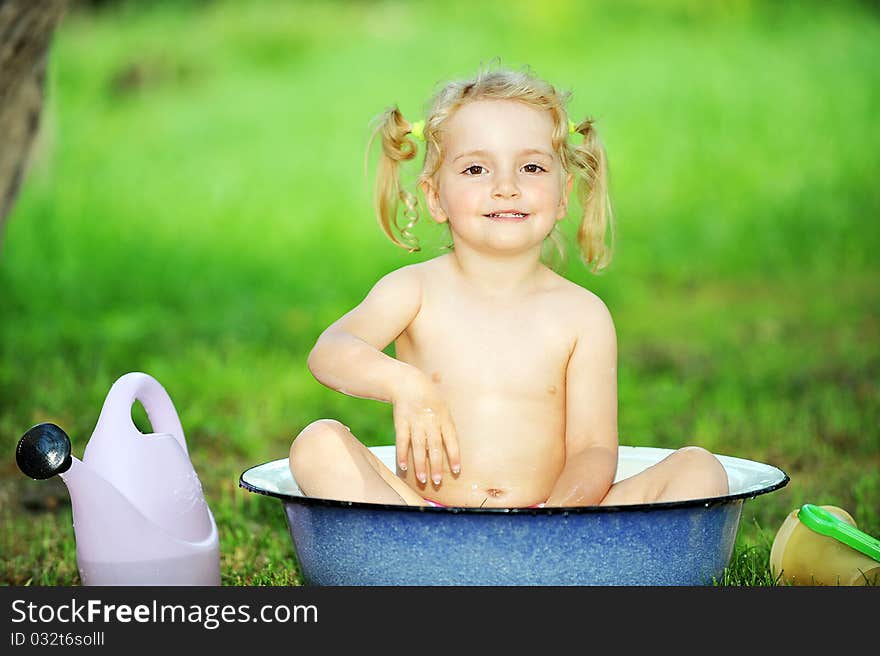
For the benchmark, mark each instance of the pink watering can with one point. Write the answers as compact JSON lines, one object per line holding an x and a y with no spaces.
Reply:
{"x":139,"y":514}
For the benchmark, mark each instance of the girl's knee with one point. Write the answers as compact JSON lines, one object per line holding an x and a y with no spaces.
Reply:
{"x":319,"y":442}
{"x":704,"y":468}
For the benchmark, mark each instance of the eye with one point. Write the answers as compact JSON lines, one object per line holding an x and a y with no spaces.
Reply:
{"x":474,"y":169}
{"x":534,"y":168}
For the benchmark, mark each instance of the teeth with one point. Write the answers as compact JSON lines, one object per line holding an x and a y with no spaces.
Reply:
{"x":507,"y":215}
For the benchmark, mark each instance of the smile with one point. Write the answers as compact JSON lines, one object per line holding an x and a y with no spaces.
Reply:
{"x":510,"y":215}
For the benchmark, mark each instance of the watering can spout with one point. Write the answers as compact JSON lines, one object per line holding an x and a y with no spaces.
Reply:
{"x":139,"y":514}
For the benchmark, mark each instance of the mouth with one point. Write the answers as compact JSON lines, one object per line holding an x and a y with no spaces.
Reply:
{"x":507,"y":215}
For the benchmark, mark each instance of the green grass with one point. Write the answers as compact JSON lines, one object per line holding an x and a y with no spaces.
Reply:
{"x":197,"y":209}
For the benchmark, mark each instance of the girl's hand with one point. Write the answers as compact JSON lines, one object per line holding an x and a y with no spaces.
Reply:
{"x":422,"y":420}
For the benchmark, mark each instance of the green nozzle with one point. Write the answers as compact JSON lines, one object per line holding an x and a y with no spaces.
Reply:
{"x":826,"y":523}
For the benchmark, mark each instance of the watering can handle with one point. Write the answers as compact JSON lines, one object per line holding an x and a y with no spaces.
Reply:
{"x":137,"y":386}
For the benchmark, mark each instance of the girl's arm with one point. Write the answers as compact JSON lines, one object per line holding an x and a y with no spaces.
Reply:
{"x":591,"y":413}
{"x":348,"y":355}
{"x":348,"y":358}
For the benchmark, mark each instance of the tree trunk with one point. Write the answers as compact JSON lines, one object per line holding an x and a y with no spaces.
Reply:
{"x":26,"y":28}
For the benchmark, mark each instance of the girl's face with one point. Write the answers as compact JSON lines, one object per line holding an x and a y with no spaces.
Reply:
{"x":501,"y":185}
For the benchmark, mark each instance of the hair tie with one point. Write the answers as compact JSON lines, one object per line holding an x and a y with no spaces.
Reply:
{"x":572,"y":127}
{"x":417,"y":130}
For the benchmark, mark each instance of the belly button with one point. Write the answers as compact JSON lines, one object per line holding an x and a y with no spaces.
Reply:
{"x":436,"y":377}
{"x":494,"y":492}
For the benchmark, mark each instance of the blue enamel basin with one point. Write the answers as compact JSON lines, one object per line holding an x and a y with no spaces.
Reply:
{"x":677,"y":543}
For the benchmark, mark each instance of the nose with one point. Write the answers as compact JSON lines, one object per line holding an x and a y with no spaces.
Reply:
{"x":505,"y":186}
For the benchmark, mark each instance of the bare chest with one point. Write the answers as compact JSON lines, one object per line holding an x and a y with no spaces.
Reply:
{"x":512,"y":349}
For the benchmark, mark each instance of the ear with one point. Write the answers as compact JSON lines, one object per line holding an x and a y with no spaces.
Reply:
{"x":562,"y":210}
{"x":432,"y":200}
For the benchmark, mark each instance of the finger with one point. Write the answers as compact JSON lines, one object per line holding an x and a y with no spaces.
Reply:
{"x":450,"y":441}
{"x":418,"y":451}
{"x":402,"y":440}
{"x":435,"y":453}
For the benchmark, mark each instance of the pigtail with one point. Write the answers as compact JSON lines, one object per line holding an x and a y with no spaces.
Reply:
{"x":590,"y":168}
{"x":388,"y":193}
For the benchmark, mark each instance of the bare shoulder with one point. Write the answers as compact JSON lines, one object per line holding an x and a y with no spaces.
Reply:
{"x":390,"y":306}
{"x":404,"y":290}
{"x":585,"y":311}
{"x":401,"y":285}
{"x":425,"y":278}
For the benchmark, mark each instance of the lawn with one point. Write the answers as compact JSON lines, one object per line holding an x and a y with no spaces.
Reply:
{"x":197,"y":209}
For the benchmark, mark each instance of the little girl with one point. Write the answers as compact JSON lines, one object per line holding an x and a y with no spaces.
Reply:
{"x":504,"y":385}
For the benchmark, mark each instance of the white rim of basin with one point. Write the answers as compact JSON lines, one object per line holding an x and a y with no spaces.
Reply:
{"x":746,"y":478}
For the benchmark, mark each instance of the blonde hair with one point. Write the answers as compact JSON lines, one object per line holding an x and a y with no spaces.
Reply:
{"x":586,"y":161}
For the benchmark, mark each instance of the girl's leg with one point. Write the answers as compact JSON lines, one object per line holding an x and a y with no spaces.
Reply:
{"x":327,"y":461}
{"x":689,"y":473}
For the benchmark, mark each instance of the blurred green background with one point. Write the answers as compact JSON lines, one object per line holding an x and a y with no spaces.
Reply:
{"x":197,"y":209}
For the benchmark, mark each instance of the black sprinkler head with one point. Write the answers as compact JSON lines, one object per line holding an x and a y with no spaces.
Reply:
{"x":43,"y":451}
